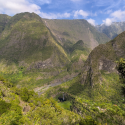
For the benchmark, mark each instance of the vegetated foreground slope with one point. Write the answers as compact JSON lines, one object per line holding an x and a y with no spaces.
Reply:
{"x":19,"y":106}
{"x":69,"y":32}
{"x":97,"y":90}
{"x":113,"y":30}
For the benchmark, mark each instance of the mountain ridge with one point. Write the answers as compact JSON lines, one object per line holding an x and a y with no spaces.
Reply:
{"x":33,"y":21}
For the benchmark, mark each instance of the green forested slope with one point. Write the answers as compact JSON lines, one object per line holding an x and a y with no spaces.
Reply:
{"x":104,"y":102}
{"x":19,"y":106}
{"x":29,"y":52}
{"x":26,"y":38}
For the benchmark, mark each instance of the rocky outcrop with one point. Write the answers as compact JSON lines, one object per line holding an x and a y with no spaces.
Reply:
{"x":106,"y":65}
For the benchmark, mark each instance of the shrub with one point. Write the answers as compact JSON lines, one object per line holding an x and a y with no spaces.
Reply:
{"x":4,"y":107}
{"x":25,"y":94}
{"x":88,"y":121}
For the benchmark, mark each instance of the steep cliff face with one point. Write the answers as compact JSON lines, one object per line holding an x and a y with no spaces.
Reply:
{"x":103,"y":59}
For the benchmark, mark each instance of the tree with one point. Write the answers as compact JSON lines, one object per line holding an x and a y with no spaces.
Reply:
{"x":121,"y":70}
{"x":25,"y":94}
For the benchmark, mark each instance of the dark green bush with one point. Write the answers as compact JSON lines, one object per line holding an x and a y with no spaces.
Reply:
{"x":25,"y":94}
{"x":88,"y":121}
{"x":121,"y":70}
{"x":4,"y":107}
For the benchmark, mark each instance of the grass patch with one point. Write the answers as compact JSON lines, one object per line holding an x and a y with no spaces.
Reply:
{"x":65,"y":104}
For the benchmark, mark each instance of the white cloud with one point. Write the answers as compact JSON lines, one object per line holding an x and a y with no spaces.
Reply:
{"x":54,"y":16}
{"x":115,"y":17}
{"x":81,"y":13}
{"x":118,"y":15}
{"x":107,"y":22}
{"x":11,"y":7}
{"x":91,"y":21}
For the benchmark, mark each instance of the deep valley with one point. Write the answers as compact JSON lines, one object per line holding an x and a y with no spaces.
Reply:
{"x":61,"y":72}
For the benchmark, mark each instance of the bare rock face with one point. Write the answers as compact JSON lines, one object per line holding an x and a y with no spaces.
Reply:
{"x":41,"y":64}
{"x":107,"y":65}
{"x":103,"y":59}
{"x":26,"y":108}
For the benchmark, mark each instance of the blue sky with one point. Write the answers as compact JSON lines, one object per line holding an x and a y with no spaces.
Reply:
{"x":95,"y":11}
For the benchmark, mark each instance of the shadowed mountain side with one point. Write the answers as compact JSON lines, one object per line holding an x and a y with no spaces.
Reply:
{"x":3,"y":21}
{"x":78,"y":53}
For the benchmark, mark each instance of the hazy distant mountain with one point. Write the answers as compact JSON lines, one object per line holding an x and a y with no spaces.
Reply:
{"x":113,"y":30}
{"x":70,"y":31}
